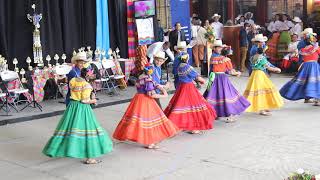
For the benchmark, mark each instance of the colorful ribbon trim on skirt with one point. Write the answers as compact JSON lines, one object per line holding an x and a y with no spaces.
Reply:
{"x":190,"y":109}
{"x":146,"y":122}
{"x":78,"y":133}
{"x":259,"y":92}
{"x":223,"y":101}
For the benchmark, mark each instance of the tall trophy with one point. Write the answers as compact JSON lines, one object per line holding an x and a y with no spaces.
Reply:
{"x":37,"y":49}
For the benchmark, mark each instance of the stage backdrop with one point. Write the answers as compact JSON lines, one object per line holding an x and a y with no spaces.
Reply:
{"x":118,"y":26}
{"x":66,"y":24}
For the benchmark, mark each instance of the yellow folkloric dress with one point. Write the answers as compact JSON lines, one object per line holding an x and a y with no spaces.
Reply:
{"x":78,"y":134}
{"x":260,"y":91}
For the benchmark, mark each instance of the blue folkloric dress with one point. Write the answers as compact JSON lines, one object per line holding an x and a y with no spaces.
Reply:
{"x":306,"y":84}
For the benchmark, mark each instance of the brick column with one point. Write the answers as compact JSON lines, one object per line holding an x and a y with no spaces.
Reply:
{"x":261,"y":12}
{"x":231,"y":9}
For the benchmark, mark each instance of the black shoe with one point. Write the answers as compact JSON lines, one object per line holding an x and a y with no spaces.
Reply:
{"x":198,"y":86}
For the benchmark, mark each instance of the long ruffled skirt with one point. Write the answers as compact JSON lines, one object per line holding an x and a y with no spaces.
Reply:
{"x":261,"y":93}
{"x":144,"y":122}
{"x":189,"y":110}
{"x":78,"y":134}
{"x":224,"y":97}
{"x":305,"y":85}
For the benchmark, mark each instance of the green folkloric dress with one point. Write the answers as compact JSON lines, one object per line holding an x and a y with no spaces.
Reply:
{"x":78,"y":134}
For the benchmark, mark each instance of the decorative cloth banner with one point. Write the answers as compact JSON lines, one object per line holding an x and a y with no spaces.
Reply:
{"x":131,"y":29}
{"x":141,"y":58}
{"x":38,"y":85}
{"x":180,"y":12}
{"x":103,"y":37}
{"x":145,"y":31}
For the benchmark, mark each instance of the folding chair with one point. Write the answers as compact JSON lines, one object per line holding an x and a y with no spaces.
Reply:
{"x":101,"y":80}
{"x":111,"y":83}
{"x":62,"y":71}
{"x":14,"y":93}
{"x":4,"y":102}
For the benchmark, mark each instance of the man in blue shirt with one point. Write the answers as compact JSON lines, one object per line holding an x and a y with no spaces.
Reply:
{"x":159,"y":59}
{"x":78,"y":60}
{"x":244,"y":43}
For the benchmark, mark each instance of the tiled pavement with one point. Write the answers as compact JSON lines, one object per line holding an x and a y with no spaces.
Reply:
{"x":253,"y":148}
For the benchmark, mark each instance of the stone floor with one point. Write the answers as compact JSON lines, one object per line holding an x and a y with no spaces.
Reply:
{"x":253,"y":148}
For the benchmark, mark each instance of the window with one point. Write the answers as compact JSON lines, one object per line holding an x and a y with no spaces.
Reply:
{"x":163,"y":13}
{"x":291,"y":7}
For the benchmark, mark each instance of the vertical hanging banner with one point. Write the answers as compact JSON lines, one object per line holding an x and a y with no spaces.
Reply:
{"x":180,"y":12}
{"x":131,"y":29}
{"x":103,"y":37}
{"x":145,"y":31}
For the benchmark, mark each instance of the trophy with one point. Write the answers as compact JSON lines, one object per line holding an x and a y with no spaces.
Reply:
{"x":103,"y":53}
{"x":28,"y":60}
{"x":89,"y":53}
{"x":5,"y":64}
{"x":2,"y":63}
{"x":56,"y":57}
{"x":37,"y":49}
{"x":48,"y":58}
{"x":97,"y":54}
{"x":118,"y":51}
{"x":23,"y":72}
{"x":64,"y":57}
{"x":110,"y":53}
{"x":15,"y":62}
{"x":104,"y":59}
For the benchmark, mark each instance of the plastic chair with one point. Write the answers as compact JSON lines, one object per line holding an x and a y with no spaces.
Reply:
{"x":4,"y":102}
{"x":102,"y":80}
{"x":111,"y":78}
{"x":9,"y":76}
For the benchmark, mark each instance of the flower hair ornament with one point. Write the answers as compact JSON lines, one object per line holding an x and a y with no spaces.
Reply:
{"x":148,"y":69}
{"x":184,"y":57}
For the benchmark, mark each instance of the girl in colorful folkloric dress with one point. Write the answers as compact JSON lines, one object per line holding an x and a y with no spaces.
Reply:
{"x":221,"y":94}
{"x":306,"y":84}
{"x":78,"y":134}
{"x":187,"y":108}
{"x":260,"y":91}
{"x":144,"y":122}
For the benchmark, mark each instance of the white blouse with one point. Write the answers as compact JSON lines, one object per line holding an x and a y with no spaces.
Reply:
{"x":297,"y":29}
{"x":289,"y":23}
{"x":218,"y":28}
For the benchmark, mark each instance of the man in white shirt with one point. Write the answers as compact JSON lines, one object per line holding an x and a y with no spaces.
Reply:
{"x":195,"y":28}
{"x":217,"y":26}
{"x":297,"y":28}
{"x":159,"y":47}
{"x":248,"y":17}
